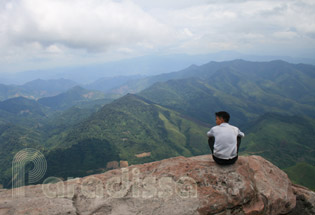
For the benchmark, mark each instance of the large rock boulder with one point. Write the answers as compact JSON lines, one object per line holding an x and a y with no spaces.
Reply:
{"x":179,"y":185}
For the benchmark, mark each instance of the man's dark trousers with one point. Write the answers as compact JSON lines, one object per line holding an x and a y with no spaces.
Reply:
{"x":223,"y":161}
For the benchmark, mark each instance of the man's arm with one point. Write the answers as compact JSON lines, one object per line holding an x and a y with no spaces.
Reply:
{"x":240,"y":134}
{"x":210,"y":133}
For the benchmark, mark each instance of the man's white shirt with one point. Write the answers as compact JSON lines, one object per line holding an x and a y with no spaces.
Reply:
{"x":225,"y":145}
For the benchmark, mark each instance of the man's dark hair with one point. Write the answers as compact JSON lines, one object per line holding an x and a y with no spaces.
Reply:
{"x":224,"y":115}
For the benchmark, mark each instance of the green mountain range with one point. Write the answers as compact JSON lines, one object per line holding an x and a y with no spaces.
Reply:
{"x":245,"y":89}
{"x":272,"y":102}
{"x":123,"y":130}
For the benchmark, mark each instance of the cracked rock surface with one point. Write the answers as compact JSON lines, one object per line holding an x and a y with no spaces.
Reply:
{"x":180,"y":185}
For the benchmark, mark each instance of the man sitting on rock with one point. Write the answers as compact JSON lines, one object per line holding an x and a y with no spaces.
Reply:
{"x":224,"y":139}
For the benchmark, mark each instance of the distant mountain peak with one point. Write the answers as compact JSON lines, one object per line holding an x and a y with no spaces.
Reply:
{"x":192,"y":66}
{"x":71,"y":97}
{"x":49,"y":81}
{"x":18,"y":98}
{"x":131,"y":97}
{"x":77,"y":88}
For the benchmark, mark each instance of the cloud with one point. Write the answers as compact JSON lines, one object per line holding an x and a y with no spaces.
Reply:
{"x":91,"y":25}
{"x":69,"y":31}
{"x":243,"y":25}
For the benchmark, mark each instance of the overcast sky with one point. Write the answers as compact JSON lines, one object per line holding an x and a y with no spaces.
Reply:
{"x":38,"y":34}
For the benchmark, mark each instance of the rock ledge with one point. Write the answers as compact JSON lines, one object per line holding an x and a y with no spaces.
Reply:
{"x":179,"y":185}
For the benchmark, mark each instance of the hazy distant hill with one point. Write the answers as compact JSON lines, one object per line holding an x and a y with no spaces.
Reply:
{"x":61,"y":120}
{"x":36,"y":89}
{"x":143,"y":65}
{"x":21,"y":105}
{"x":48,"y":111}
{"x":70,"y":98}
{"x":251,"y":71}
{"x":43,"y":88}
{"x":135,"y":86}
{"x":6,"y":91}
{"x":23,"y":111}
{"x":108,"y":83}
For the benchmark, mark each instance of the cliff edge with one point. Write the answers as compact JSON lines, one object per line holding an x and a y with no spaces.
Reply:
{"x":179,"y":185}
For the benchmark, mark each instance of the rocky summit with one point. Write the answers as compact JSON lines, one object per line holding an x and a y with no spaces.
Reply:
{"x":179,"y":185}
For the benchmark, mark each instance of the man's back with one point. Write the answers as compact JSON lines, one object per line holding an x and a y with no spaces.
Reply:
{"x":225,"y":145}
